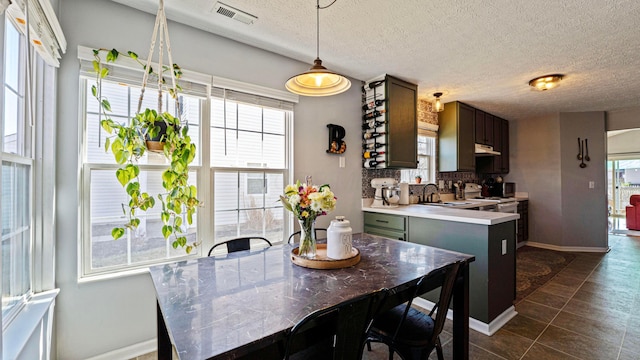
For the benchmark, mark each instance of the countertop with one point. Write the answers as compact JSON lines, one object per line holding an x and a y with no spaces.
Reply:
{"x":447,"y":213}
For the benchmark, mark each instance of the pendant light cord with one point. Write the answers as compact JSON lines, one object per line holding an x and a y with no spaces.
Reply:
{"x":318,"y":7}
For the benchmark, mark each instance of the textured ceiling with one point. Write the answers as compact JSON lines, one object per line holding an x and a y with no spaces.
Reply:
{"x":480,"y":52}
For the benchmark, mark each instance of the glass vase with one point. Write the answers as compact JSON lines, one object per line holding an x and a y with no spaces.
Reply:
{"x":307,"y":246}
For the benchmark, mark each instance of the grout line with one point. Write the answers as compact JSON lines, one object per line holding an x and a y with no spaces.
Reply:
{"x":563,"y":306}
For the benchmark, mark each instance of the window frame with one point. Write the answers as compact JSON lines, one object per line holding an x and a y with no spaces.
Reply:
{"x":27,"y":158}
{"x":248,"y":93}
{"x":408,"y":175}
{"x":286,"y":171}
{"x":87,"y":272}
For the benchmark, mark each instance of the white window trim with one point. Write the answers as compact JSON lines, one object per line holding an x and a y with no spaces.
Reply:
{"x":205,"y":178}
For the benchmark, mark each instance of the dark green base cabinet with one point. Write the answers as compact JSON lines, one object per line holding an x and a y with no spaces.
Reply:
{"x":389,"y":226}
{"x":492,"y":278}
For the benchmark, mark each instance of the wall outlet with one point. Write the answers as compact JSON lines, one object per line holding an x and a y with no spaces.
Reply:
{"x":592,"y":184}
{"x":504,"y":246}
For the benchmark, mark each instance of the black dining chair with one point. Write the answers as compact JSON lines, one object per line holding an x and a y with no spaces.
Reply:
{"x":293,"y":236}
{"x":409,"y":332}
{"x":337,"y":332}
{"x":239,"y":244}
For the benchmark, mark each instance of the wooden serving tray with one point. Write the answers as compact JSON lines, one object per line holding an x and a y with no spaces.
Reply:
{"x":321,"y":261}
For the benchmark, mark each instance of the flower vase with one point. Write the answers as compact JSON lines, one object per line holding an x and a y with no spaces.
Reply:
{"x":307,"y":246}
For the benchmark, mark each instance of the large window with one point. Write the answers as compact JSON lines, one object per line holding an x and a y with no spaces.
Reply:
{"x":104,"y":211}
{"x":17,"y":170}
{"x":245,"y":149}
{"x":249,"y":159}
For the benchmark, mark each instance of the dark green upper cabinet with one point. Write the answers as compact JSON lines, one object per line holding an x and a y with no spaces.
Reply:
{"x":457,"y":137}
{"x":402,"y":123}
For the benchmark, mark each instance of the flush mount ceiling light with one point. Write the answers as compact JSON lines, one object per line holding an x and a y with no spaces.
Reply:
{"x":438,"y":105}
{"x":546,"y":82}
{"x":318,"y":81}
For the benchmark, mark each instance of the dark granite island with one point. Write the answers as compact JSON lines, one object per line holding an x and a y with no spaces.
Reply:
{"x":242,"y":304}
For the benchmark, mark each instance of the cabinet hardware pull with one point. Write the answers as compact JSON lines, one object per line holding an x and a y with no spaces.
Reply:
{"x":383,"y":221}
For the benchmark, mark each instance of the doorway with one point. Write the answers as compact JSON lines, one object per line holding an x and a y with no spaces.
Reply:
{"x":623,"y":176}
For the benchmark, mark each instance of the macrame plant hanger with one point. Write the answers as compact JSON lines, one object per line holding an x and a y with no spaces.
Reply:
{"x":162,"y":29}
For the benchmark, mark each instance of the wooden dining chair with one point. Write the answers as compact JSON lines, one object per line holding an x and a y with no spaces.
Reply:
{"x":337,"y":332}
{"x":239,"y":244}
{"x":292,"y":237}
{"x":409,"y":332}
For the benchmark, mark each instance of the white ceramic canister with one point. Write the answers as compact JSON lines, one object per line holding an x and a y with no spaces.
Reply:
{"x":339,"y":239}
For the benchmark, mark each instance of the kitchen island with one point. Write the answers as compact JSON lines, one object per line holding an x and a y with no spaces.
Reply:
{"x":489,"y":236}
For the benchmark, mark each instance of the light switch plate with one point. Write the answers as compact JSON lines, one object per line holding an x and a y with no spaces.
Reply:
{"x":504,"y":246}
{"x":342,"y":161}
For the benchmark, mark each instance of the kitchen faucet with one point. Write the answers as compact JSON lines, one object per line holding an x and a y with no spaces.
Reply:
{"x":434,"y":189}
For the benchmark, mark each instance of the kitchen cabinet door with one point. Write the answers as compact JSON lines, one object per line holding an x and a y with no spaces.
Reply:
{"x":479,"y":126}
{"x":402,"y":124}
{"x":489,"y":132}
{"x":504,"y":157}
{"x":456,"y":138}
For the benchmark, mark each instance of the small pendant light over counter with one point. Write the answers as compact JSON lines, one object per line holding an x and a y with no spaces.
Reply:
{"x":318,"y":81}
{"x":438,"y":105}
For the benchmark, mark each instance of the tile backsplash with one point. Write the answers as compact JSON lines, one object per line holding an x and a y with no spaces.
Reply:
{"x":368,"y":174}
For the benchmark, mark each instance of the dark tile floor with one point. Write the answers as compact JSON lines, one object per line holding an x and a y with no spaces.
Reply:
{"x":590,"y":310}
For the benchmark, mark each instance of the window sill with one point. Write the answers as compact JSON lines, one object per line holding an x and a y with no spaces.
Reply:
{"x":19,"y":331}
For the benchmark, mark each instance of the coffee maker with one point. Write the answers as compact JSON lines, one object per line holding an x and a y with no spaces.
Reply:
{"x":387,"y":192}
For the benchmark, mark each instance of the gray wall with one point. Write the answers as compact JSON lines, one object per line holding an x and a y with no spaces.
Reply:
{"x":621,"y":119}
{"x":101,"y":316}
{"x":535,"y":168}
{"x":563,"y":211}
{"x":584,"y":210}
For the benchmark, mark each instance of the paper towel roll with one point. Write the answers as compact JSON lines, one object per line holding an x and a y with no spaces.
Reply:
{"x":404,"y":194}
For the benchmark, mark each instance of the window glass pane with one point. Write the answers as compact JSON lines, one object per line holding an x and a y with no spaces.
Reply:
{"x":12,"y":120}
{"x":226,"y":191}
{"x":224,"y":148}
{"x":249,"y":117}
{"x":274,"y":151}
{"x":274,"y":121}
{"x":218,"y":110}
{"x":146,"y":243}
{"x":250,"y":209}
{"x":426,"y":161}
{"x":12,"y":56}
{"x":116,"y":94}
{"x":16,"y":234}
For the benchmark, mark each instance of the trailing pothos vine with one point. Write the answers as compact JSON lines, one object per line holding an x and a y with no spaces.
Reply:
{"x":128,"y":143}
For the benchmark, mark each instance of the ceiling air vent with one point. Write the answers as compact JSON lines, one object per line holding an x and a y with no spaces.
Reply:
{"x":233,"y":13}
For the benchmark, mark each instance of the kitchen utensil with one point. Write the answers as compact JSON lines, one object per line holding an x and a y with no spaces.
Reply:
{"x":579,"y":149}
{"x":582,"y":164}
{"x":586,"y":150}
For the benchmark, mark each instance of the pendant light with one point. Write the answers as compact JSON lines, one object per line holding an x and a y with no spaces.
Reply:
{"x":318,"y":81}
{"x":438,"y":105}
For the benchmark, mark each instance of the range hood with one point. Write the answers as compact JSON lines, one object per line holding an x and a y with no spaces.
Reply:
{"x":485,"y":150}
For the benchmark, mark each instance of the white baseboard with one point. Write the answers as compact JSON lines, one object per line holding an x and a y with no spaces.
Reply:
{"x":477,"y":325}
{"x":129,"y":352}
{"x":567,"y":248}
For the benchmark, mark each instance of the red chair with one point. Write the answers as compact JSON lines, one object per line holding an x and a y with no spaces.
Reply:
{"x":633,"y":213}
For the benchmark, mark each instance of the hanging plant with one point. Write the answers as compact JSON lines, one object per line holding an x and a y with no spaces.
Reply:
{"x":148,"y":130}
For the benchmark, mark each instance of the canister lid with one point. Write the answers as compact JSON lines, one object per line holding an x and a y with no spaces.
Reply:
{"x":340,"y":221}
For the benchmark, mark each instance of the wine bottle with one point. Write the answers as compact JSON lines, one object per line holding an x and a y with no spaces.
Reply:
{"x":372,"y":154}
{"x":373,"y":163}
{"x":372,"y":124}
{"x":372,"y":135}
{"x":372,"y":104}
{"x":374,"y":114}
{"x":372,"y":146}
{"x":371,"y":85}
